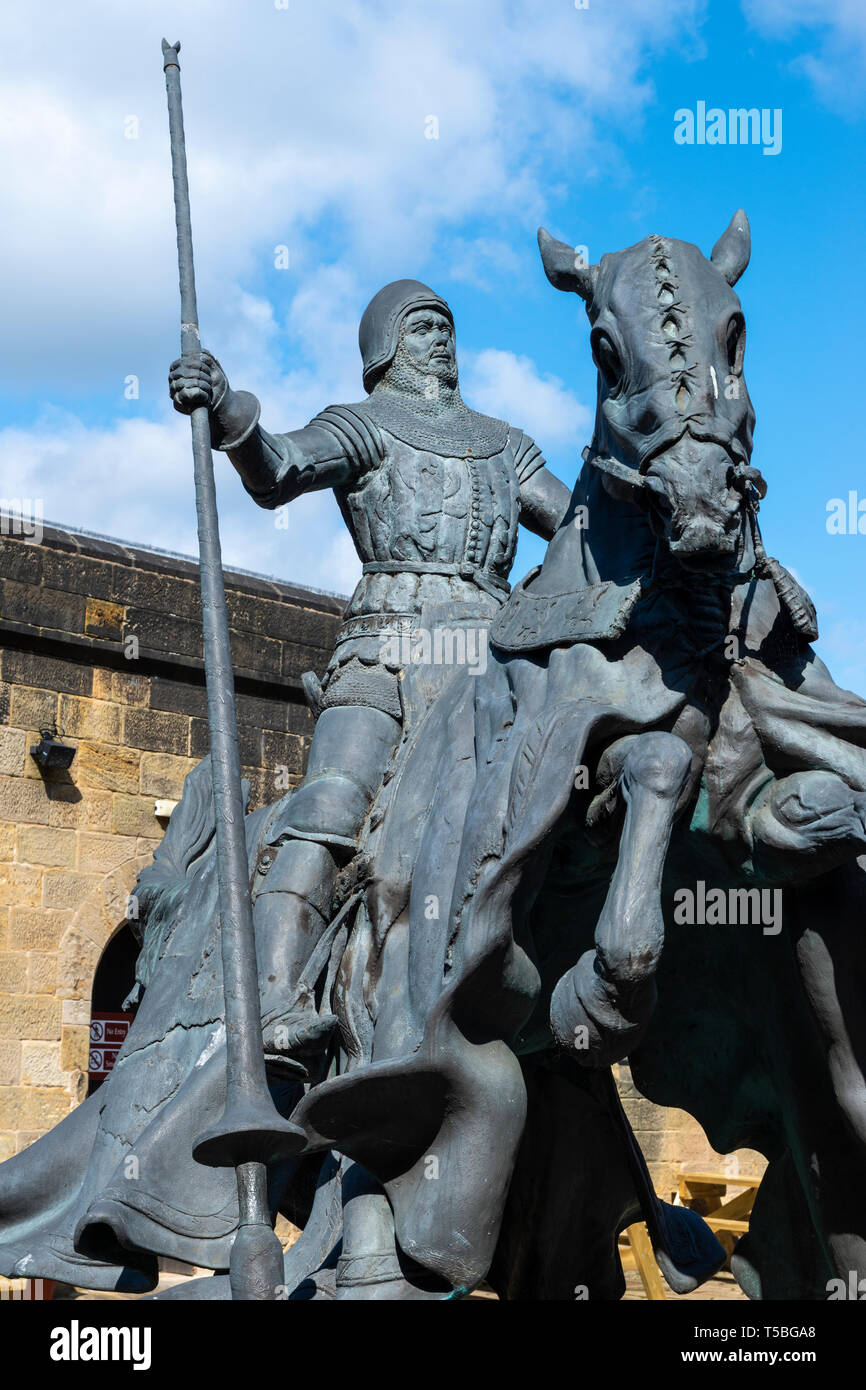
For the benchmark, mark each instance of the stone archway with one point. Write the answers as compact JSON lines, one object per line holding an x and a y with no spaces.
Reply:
{"x":99,"y":918}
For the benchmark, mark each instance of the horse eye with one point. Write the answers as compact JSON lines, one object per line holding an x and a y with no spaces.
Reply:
{"x":607,"y":359}
{"x":736,"y":333}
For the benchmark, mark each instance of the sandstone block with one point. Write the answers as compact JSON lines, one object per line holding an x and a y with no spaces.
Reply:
{"x":40,"y":1064}
{"x":20,"y":885}
{"x":10,"y":1062}
{"x":23,"y":799}
{"x":52,"y":847}
{"x":37,"y":928}
{"x":8,"y":841}
{"x":91,"y":921}
{"x":72,"y":809}
{"x":97,"y":720}
{"x":100,"y":854}
{"x":75,"y":1048}
{"x":121,"y":687}
{"x":32,"y":1108}
{"x":132,"y":815}
{"x":109,"y":766}
{"x":76,"y":966}
{"x":31,"y":1017}
{"x":13,"y":972}
{"x":104,"y":619}
{"x":180,"y":697}
{"x":13,"y":751}
{"x":147,"y":845}
{"x":21,"y":559}
{"x":67,"y":889}
{"x":282,"y":751}
{"x":162,"y":774}
{"x":41,"y":972}
{"x":31,"y":708}
{"x":76,"y":1013}
{"x":115,"y":889}
{"x":25,"y":1137}
{"x":21,"y":667}
{"x":156,"y":731}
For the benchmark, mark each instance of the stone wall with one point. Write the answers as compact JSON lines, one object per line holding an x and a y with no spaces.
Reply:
{"x":104,"y":641}
{"x":672,"y":1141}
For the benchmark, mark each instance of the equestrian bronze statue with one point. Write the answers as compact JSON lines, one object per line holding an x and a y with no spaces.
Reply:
{"x":636,"y":829}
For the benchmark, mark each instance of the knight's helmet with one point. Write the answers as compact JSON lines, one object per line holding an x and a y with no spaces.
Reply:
{"x":379,"y":332}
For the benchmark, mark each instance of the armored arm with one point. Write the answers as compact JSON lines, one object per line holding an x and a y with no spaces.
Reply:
{"x":543,"y":497}
{"x":277,"y":468}
{"x":336,"y":447}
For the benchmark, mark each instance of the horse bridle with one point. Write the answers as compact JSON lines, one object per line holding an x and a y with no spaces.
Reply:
{"x":743,"y":476}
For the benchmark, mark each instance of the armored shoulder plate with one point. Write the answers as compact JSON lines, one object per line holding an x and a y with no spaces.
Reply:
{"x":356,"y":433}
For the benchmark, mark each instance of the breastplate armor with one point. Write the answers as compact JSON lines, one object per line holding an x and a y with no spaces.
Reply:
{"x":423,"y":507}
{"x":436,"y":517}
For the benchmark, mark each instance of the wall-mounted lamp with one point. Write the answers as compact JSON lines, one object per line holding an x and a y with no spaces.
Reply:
{"x":50,"y":752}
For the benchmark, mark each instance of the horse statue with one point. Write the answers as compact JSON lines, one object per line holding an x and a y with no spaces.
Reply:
{"x":652,"y":732}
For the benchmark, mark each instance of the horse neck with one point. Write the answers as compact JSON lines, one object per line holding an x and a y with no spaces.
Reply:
{"x":599,"y":538}
{"x":620,"y":542}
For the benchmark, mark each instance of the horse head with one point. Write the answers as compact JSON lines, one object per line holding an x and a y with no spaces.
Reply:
{"x":674,"y":421}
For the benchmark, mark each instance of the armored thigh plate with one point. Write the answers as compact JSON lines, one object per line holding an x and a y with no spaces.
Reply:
{"x":351,"y":748}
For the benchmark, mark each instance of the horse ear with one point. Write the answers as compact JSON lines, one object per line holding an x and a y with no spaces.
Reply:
{"x":563,"y":268}
{"x":734,"y":247}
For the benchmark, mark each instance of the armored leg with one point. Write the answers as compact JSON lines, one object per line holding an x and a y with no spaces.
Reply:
{"x":312,"y":833}
{"x":289,"y":920}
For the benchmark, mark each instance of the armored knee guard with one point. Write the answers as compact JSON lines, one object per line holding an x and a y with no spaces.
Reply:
{"x":351,"y":748}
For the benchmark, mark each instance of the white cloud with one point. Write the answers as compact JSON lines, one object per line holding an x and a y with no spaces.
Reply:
{"x":511,"y":388}
{"x":133,"y":480}
{"x":305,"y":128}
{"x":836,"y":64}
{"x":483,"y":262}
{"x":296,"y":119}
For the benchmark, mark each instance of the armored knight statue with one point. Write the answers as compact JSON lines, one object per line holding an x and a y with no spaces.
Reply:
{"x":432,"y":493}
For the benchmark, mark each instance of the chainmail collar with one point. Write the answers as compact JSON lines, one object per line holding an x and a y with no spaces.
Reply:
{"x":455,"y":433}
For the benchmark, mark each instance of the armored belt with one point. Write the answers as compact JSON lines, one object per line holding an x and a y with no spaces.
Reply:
{"x":485,"y":579}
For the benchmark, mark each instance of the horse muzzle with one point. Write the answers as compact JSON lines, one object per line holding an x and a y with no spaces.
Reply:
{"x":703,"y":545}
{"x":698,"y":502}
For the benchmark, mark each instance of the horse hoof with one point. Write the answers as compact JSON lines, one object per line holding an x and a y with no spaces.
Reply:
{"x":586,"y":1017}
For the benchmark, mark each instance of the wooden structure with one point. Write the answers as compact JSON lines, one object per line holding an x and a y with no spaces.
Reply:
{"x":705,"y":1193}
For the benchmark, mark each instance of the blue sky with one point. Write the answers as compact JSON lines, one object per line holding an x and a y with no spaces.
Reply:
{"x":306,"y":125}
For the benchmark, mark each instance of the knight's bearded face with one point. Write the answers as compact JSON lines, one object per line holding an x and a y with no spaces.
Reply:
{"x":427,"y":349}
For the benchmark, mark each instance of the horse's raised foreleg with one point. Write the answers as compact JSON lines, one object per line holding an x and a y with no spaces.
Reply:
{"x":601,"y":1006}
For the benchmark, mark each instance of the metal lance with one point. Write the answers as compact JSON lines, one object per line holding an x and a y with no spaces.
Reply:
{"x":251,"y":1133}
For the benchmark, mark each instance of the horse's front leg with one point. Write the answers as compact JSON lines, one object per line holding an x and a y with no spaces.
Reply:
{"x":601,"y":1006}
